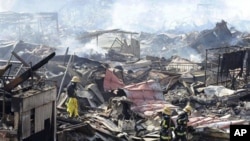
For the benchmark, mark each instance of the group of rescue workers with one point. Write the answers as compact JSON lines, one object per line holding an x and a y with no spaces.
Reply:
{"x":168,"y":126}
{"x":167,"y":123}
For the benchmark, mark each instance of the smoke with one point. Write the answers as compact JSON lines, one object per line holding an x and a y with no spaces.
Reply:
{"x":75,"y":47}
{"x":188,"y":15}
{"x":149,"y":15}
{"x":6,"y":5}
{"x":137,"y":15}
{"x":31,"y":6}
{"x":134,"y":15}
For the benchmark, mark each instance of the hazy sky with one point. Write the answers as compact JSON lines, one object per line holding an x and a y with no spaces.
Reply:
{"x":136,"y":15}
{"x":149,"y":15}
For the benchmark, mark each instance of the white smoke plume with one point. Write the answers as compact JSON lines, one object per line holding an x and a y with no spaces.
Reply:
{"x":79,"y":49}
{"x":137,"y":15}
{"x":134,"y":15}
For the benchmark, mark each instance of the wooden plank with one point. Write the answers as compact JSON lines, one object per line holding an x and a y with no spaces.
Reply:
{"x":36,"y":100}
{"x":24,"y":76}
{"x":39,"y":119}
{"x":26,"y":124}
{"x":32,"y":99}
{"x":3,"y":69}
{"x":48,"y":111}
{"x":51,"y":96}
{"x":16,"y":120}
{"x":41,"y":114}
{"x":23,"y":62}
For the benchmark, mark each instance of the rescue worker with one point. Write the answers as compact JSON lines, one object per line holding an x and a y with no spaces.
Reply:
{"x":167,"y":125}
{"x":72,"y":103}
{"x":181,"y":121}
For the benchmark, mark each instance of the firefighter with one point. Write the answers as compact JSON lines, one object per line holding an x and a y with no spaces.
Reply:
{"x":181,"y":121}
{"x":167,"y":125}
{"x":72,"y":103}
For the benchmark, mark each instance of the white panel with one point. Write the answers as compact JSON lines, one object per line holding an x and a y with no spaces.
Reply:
{"x":25,"y":124}
{"x":39,"y":116}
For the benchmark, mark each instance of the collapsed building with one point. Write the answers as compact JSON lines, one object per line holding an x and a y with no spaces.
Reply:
{"x":121,"y":96}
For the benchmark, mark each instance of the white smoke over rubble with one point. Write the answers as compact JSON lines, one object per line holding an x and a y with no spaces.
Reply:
{"x":150,"y":16}
{"x":136,"y":15}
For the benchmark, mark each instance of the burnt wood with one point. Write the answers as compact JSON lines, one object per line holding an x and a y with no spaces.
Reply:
{"x":25,"y":75}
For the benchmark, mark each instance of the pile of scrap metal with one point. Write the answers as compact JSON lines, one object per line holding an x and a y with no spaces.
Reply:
{"x":211,"y":104}
{"x":122,"y":57}
{"x":123,"y":102}
{"x":193,"y":44}
{"x":108,"y":104}
{"x":220,"y":35}
{"x":124,"y":51}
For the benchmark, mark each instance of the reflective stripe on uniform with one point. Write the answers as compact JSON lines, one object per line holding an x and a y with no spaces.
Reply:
{"x":166,"y":137}
{"x":164,"y":124}
{"x":181,"y":134}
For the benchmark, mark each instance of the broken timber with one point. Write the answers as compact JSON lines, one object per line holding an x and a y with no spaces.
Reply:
{"x":23,"y":62}
{"x":4,"y":69}
{"x":24,"y":76}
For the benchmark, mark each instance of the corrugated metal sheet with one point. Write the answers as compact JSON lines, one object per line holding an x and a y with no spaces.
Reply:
{"x":215,"y":122}
{"x":164,"y":78}
{"x":149,"y":90}
{"x":93,"y":87}
{"x":147,"y":97}
{"x":111,"y":81}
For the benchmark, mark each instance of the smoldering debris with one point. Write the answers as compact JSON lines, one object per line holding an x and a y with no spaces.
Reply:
{"x":121,"y":96}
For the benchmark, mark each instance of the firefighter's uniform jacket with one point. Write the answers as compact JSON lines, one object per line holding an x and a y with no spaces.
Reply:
{"x":167,"y":126}
{"x":181,"y":129}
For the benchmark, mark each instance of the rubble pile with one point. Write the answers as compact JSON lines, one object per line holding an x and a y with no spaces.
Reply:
{"x":137,"y":95}
{"x":191,"y":46}
{"x":122,"y":98}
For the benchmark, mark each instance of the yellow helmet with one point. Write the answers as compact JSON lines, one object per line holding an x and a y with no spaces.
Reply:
{"x":167,"y":110}
{"x":188,"y":108}
{"x":75,"y":79}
